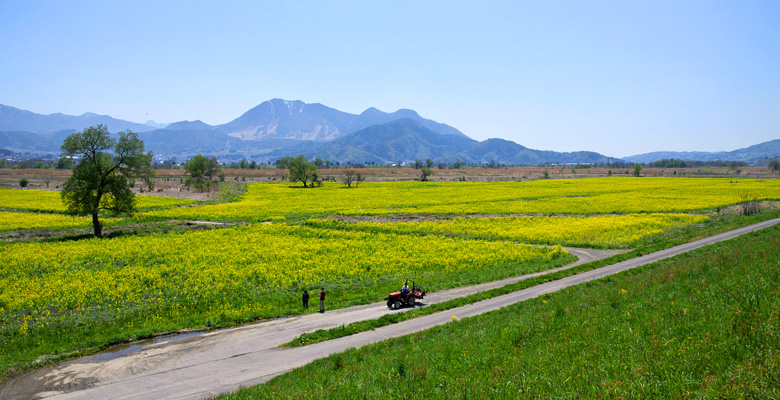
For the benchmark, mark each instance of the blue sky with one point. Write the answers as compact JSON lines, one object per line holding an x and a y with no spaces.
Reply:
{"x":616,"y":77}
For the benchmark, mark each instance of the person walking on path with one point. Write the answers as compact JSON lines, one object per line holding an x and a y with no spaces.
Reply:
{"x":322,"y":300}
{"x":305,"y":298}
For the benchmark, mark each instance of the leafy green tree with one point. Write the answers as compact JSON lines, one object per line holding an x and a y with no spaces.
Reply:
{"x":100,"y":181}
{"x":253,"y":165}
{"x":425,"y":173}
{"x":202,"y":171}
{"x":303,"y":170}
{"x":3,"y":164}
{"x":418,"y":164}
{"x":283,"y":162}
{"x":774,"y":165}
{"x":23,"y":182}
{"x":64,"y":163}
{"x":429,"y":163}
{"x":637,"y":169}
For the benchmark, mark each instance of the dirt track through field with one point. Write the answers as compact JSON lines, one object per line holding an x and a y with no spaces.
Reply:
{"x":203,"y":365}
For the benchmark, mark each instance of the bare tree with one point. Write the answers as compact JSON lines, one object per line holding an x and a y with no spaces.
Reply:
{"x":348,"y":177}
{"x":750,"y":204}
{"x":359,"y":178}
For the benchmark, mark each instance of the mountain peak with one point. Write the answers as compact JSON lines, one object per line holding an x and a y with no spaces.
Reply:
{"x":407,"y":113}
{"x":188,"y":125}
{"x":371,"y":111}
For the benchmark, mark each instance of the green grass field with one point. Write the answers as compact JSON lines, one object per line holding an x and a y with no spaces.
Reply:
{"x":701,"y":325}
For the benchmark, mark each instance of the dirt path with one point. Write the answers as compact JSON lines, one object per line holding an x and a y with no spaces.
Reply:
{"x":203,"y":365}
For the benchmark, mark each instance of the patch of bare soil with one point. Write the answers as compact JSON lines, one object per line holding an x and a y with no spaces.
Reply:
{"x":737,"y":209}
{"x":175,"y":190}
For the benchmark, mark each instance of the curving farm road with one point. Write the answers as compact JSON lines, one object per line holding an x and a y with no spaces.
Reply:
{"x":205,"y":364}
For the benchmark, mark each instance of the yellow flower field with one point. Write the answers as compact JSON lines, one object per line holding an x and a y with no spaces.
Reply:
{"x":613,"y":195}
{"x":59,"y":297}
{"x":15,"y":220}
{"x":610,"y":231}
{"x":249,"y":271}
{"x":50,"y":201}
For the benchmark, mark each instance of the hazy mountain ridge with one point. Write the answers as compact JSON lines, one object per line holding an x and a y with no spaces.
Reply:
{"x":407,"y":139}
{"x":751,"y":154}
{"x":399,"y":140}
{"x":278,"y":128}
{"x":14,"y":119}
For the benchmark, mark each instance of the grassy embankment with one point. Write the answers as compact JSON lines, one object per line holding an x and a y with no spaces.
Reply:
{"x":703,"y":325}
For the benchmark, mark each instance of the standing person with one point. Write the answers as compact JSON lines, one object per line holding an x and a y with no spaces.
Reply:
{"x":322,"y":299}
{"x":305,"y":298}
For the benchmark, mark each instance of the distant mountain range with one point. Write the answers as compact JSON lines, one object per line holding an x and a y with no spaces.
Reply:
{"x":752,"y":154}
{"x":296,"y":120}
{"x":14,"y":119}
{"x":278,"y":128}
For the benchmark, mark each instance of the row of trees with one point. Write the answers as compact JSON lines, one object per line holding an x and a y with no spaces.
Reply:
{"x":677,"y":163}
{"x":307,"y":172}
{"x":62,"y":163}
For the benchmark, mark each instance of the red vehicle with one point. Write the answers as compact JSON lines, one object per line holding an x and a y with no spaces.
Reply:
{"x":406,"y":296}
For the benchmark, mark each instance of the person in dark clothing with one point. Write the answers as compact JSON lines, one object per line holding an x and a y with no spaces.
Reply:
{"x":305,"y":298}
{"x":322,"y":300}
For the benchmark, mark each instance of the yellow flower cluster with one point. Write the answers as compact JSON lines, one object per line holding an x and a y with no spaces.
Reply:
{"x":15,"y":220}
{"x":226,"y":269}
{"x":44,"y":200}
{"x":601,"y":230}
{"x":613,"y":195}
